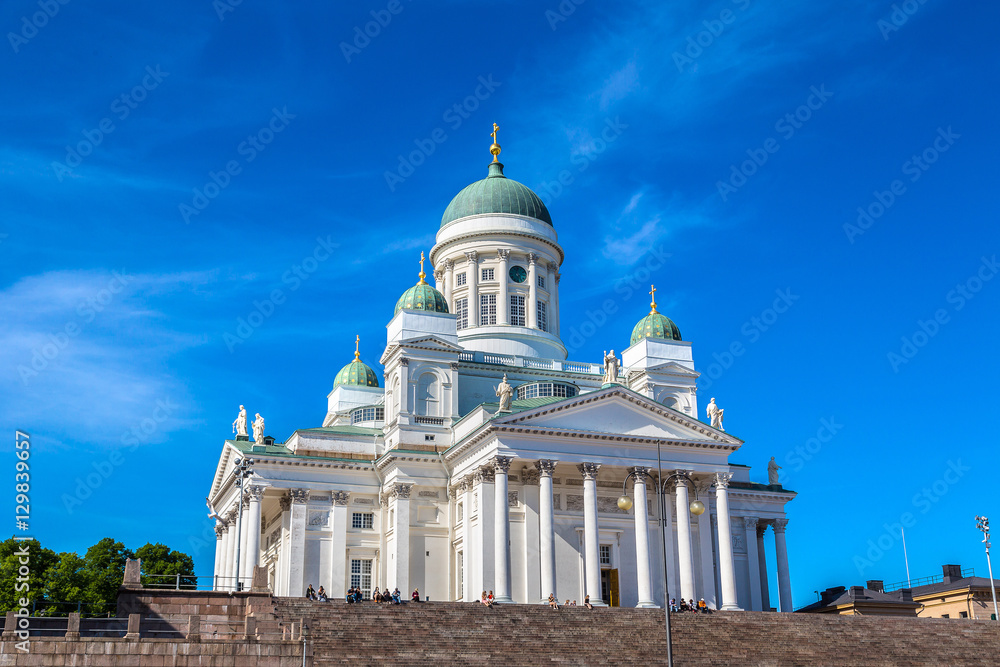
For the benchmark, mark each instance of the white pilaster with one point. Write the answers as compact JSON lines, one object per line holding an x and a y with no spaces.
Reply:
{"x":591,"y":533}
{"x":685,"y":559}
{"x":643,"y":572}
{"x":485,"y":535}
{"x":472,"y":278}
{"x":297,"y":542}
{"x":765,"y":597}
{"x":469,"y":544}
{"x":668,"y":546}
{"x":707,"y":559}
{"x":546,"y":529}
{"x":532,"y":561}
{"x":750,"y":526}
{"x":449,"y":284}
{"x":220,"y":553}
{"x":243,"y":530}
{"x":531,"y":312}
{"x":727,"y":569}
{"x":229,"y":569}
{"x":501,"y":530}
{"x":781,"y":556}
{"x":251,"y":558}
{"x":556,"y":315}
{"x":399,"y":567}
{"x":339,"y":516}
{"x":503,"y":300}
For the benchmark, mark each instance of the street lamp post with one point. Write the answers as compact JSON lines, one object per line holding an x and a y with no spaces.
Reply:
{"x":242,"y":471}
{"x":983,"y":523}
{"x":697,"y":508}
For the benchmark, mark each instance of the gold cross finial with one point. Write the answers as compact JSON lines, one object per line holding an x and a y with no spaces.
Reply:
{"x":652,"y":299}
{"x":495,"y":148}
{"x":422,"y":274}
{"x":357,"y":343}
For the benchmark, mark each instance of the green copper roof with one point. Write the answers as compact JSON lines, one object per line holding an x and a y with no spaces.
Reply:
{"x":496,"y":194}
{"x":655,"y":325}
{"x":422,"y":297}
{"x":356,"y":374}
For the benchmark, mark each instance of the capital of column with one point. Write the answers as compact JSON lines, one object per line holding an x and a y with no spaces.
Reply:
{"x":750,"y":522}
{"x":404,"y":361}
{"x":502,"y":463}
{"x":299,"y":496}
{"x":231,"y":516}
{"x":255,"y":493}
{"x":245,"y":499}
{"x":219,"y":531}
{"x":438,"y":275}
{"x":722,"y":479}
{"x":472,"y":256}
{"x":401,"y":490}
{"x":639,"y":471}
{"x":552,"y":267}
{"x":449,"y":265}
{"x":503,"y":254}
{"x":529,"y":475}
{"x":761,"y":528}
{"x":589,"y":470}
{"x":545,"y":467}
{"x":285,"y":502}
{"x":532,"y":258}
{"x":486,"y":473}
{"x":779,"y":525}
{"x":340,"y":498}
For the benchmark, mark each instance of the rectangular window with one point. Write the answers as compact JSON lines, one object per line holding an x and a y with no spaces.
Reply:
{"x":542,"y":316}
{"x":487,"y":309}
{"x":541,"y":281}
{"x":460,"y":280}
{"x":963,"y":614}
{"x":517,"y":310}
{"x":462,"y":311}
{"x":361,"y":576}
{"x":487,"y":275}
{"x":606,"y":554}
{"x":363,"y":520}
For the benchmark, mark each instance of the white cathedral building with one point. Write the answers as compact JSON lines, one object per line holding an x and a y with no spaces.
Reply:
{"x":429,"y":481}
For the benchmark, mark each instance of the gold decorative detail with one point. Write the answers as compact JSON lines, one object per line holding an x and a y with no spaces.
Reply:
{"x":652,"y":297}
{"x":495,"y":148}
{"x":357,"y":343}
{"x":422,"y":274}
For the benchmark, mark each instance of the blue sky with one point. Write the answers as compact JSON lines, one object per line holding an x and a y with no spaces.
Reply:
{"x":739,"y":138}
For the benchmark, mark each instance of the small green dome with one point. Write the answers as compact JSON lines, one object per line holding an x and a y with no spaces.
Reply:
{"x":496,"y":194}
{"x":357,"y":373}
{"x":655,"y":325}
{"x":422,"y":297}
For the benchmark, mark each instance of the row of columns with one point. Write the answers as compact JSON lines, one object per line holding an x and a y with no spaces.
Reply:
{"x":759,"y":590}
{"x":446,"y":284}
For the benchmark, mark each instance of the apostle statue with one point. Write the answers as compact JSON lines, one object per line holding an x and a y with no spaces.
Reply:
{"x":772,"y":472}
{"x":240,"y":425}
{"x":610,"y":368}
{"x":505,"y":392}
{"x":258,"y":429}
{"x":715,"y":415}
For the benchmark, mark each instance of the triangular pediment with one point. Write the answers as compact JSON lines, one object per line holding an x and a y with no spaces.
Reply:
{"x":431,"y":343}
{"x":617,"y":411}
{"x":673,"y":368}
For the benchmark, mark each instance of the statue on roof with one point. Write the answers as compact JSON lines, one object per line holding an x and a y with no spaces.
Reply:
{"x":715,"y":415}
{"x":240,"y":425}
{"x":258,"y":429}
{"x":505,"y":392}
{"x":772,"y":472}
{"x":610,"y":368}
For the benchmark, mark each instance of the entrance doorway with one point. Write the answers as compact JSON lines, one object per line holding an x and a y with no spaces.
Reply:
{"x":609,"y":587}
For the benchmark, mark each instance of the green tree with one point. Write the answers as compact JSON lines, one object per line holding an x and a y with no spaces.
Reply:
{"x":104,"y":569}
{"x":66,"y":586}
{"x":159,"y":559}
{"x":40,"y":562}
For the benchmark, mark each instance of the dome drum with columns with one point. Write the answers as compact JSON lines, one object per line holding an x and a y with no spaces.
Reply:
{"x":488,"y":460}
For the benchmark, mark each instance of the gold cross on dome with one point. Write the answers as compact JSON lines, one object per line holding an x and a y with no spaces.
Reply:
{"x":494,"y":133}
{"x":422,"y":274}
{"x":652,"y":297}
{"x":357,"y":343}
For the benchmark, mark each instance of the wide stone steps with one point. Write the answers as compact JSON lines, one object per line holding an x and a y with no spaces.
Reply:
{"x":469,"y":633}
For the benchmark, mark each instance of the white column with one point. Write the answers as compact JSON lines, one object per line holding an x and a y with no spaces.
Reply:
{"x":727,"y":569}
{"x":750,"y":526}
{"x":243,"y":530}
{"x":705,"y":548}
{"x":399,"y":567}
{"x":485,"y":537}
{"x":503,"y":301}
{"x":668,"y":547}
{"x":229,"y":569}
{"x":252,"y":526}
{"x":643,"y":572}
{"x":472,"y":277}
{"x":532,"y":560}
{"x":501,"y":530}
{"x":591,"y":533}
{"x":439,"y":280}
{"x":556,"y":315}
{"x":469,"y":582}
{"x":765,"y":598}
{"x":220,"y":553}
{"x":337,"y":583}
{"x":449,"y":284}
{"x":686,"y":561}
{"x":546,"y":529}
{"x":530,"y":309}
{"x":405,"y":405}
{"x":297,"y":543}
{"x":781,"y":555}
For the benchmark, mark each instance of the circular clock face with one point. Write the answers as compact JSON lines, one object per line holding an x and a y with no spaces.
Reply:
{"x":518,"y":274}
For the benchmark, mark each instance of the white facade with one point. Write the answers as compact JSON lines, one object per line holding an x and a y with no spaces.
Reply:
{"x":423,"y":484}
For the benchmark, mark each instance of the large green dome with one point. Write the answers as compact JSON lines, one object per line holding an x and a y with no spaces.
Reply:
{"x":655,"y":325}
{"x":496,"y":194}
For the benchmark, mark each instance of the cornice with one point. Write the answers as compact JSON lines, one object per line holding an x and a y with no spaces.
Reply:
{"x":492,"y":234}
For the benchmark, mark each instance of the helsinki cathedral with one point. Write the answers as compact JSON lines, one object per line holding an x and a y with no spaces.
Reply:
{"x":482,"y":459}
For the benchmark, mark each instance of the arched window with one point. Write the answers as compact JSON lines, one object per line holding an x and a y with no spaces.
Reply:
{"x":394,"y":397}
{"x":428,"y":395}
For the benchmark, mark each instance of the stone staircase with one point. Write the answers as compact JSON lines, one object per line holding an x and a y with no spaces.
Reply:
{"x":455,"y":633}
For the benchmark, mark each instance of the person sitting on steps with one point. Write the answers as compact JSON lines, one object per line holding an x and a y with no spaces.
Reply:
{"x":395,"y":596}
{"x":321,"y":595}
{"x":586,"y":602}
{"x":552,"y":601}
{"x":490,"y":598}
{"x":416,"y":596}
{"x":310,"y":593}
